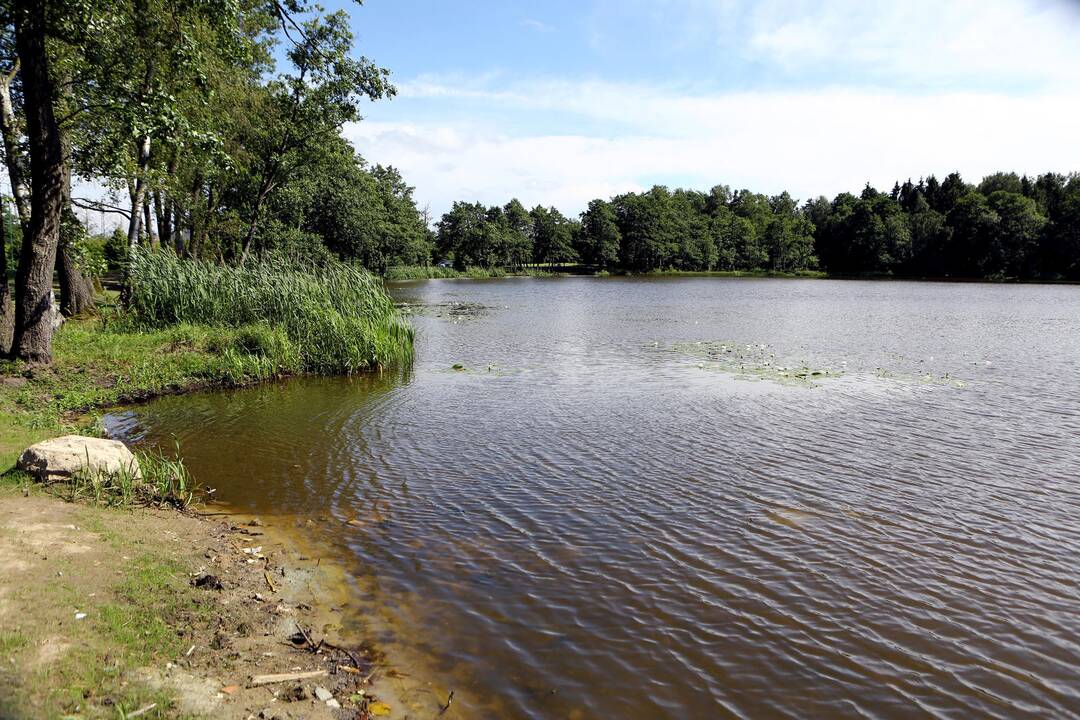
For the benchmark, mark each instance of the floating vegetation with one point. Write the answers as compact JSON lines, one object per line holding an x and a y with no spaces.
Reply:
{"x":758,"y":361}
{"x":946,"y":379}
{"x":753,"y":361}
{"x":481,"y":370}
{"x":446,"y":311}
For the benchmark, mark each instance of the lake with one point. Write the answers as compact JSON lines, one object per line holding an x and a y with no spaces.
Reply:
{"x":693,"y":497}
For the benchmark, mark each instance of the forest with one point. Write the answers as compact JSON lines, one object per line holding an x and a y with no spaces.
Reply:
{"x":1005,"y":227}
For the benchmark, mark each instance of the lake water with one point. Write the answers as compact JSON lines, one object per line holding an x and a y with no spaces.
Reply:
{"x":636,"y":499}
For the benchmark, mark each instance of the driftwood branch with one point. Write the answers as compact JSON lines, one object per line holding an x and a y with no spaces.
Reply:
{"x":257,"y":680}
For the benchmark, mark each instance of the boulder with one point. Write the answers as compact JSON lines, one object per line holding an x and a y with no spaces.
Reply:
{"x":64,"y":456}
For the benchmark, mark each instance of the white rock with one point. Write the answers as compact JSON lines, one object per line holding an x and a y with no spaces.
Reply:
{"x":323,"y":694}
{"x":332,"y":703}
{"x":64,"y":456}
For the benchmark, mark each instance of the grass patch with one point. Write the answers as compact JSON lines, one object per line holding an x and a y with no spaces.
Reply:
{"x":742,"y":273}
{"x":10,"y":642}
{"x":331,"y":318}
{"x":135,"y":627}
{"x":429,"y":272}
{"x":162,"y":481}
{"x":99,"y":363}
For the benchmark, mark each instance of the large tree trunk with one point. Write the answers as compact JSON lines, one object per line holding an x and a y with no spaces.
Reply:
{"x":76,"y":292}
{"x":7,"y":302}
{"x":33,"y":284}
{"x":16,"y":163}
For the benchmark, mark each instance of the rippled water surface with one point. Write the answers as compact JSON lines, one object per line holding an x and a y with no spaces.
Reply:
{"x":635,"y":498}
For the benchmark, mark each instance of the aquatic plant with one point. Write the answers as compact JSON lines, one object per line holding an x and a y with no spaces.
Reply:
{"x":752,"y":360}
{"x":331,"y":317}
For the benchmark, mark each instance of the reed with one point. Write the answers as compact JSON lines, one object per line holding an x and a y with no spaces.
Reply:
{"x":432,"y":272}
{"x":337,"y":318}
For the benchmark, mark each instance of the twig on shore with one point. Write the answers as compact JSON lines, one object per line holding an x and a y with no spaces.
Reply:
{"x":257,"y":680}
{"x":141,"y":711}
{"x":307,"y":638}
{"x":449,"y":700}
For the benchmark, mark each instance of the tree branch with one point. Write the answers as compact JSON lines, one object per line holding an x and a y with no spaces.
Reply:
{"x":99,"y":206}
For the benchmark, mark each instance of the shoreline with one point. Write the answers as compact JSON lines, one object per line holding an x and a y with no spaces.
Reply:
{"x":117,"y":581}
{"x":186,"y":612}
{"x":726,"y":274}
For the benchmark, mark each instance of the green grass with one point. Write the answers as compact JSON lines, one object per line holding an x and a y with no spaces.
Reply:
{"x":10,"y":642}
{"x":742,"y":273}
{"x":161,"y":481}
{"x":429,"y":272}
{"x":135,"y":627}
{"x":331,"y":318}
{"x":99,"y":364}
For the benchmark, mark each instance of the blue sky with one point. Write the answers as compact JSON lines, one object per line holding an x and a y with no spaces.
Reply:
{"x":558,"y":102}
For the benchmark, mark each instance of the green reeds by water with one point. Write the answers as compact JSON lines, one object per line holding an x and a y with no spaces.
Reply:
{"x":326,"y":318}
{"x":433,"y":272}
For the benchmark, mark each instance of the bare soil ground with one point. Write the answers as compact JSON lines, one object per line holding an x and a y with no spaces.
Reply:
{"x":124,"y":613}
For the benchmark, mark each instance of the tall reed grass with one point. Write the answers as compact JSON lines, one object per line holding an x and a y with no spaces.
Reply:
{"x":327,"y":318}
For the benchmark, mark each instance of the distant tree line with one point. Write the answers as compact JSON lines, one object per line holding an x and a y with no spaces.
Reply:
{"x":1007,"y":226}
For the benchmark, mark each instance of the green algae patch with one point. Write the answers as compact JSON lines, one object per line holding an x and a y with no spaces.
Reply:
{"x":454,"y":311}
{"x":753,"y":361}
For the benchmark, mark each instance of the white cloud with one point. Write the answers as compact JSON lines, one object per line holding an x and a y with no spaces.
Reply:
{"x":814,"y":142}
{"x":917,"y":42}
{"x":884,"y":91}
{"x":537,"y":25}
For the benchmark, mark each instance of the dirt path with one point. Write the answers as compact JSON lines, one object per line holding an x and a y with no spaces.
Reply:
{"x":109,"y":613}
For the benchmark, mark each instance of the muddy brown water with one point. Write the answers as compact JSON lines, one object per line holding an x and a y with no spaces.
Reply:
{"x":635,"y":498}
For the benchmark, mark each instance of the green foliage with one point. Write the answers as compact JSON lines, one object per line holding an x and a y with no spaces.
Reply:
{"x":362,"y":214}
{"x":600,"y":237}
{"x":115,"y":250}
{"x":1007,"y":227}
{"x":336,"y":318}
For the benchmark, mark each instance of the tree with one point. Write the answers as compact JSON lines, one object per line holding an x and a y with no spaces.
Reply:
{"x":1015,"y":244}
{"x":307,"y":107}
{"x":789,"y":236}
{"x":32,"y":339}
{"x":552,"y":237}
{"x":461,"y":235}
{"x":7,"y":302}
{"x":600,"y":236}
{"x":974,"y":223}
{"x":519,"y":240}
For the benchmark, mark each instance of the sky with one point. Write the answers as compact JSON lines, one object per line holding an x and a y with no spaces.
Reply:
{"x":560,"y":102}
